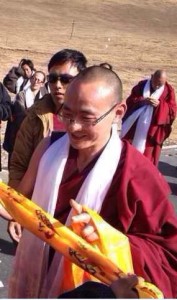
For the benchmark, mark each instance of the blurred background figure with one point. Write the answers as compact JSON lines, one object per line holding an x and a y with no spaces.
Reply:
{"x":18,"y":78}
{"x":151,"y":110}
{"x":23,"y":100}
{"x":5,"y":108}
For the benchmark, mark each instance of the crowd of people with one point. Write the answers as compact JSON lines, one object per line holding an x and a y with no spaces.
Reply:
{"x":63,"y":144}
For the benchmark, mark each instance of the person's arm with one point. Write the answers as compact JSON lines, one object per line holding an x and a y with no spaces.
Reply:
{"x":164,"y":116}
{"x":171,"y":105}
{"x":20,"y":99}
{"x":136,"y":98}
{"x":19,"y":110}
{"x":5,"y":104}
{"x":28,"y":137}
{"x":4,"y":213}
{"x":27,"y":183}
{"x":11,"y":78}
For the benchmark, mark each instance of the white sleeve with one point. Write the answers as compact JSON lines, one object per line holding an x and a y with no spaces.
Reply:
{"x":18,"y":84}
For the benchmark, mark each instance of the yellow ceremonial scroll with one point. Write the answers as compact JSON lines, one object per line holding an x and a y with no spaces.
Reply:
{"x":101,"y":262}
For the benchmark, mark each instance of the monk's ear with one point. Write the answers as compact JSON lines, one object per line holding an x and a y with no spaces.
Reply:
{"x":120,"y":110}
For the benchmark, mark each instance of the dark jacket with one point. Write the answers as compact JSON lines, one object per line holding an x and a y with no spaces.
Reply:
{"x":11,"y":78}
{"x":5,"y":104}
{"x":37,"y":124}
{"x":5,"y":108}
{"x":19,"y":112}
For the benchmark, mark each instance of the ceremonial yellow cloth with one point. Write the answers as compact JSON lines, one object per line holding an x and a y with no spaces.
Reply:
{"x":106,"y":260}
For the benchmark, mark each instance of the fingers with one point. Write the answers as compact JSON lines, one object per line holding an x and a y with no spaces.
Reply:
{"x":15,"y":231}
{"x":18,"y":233}
{"x":79,"y":224}
{"x":79,"y":217}
{"x":124,"y":287}
{"x":133,"y":280}
{"x":153,"y":101}
{"x":82,"y":218}
{"x":76,"y":206}
{"x":89,"y":234}
{"x":87,"y":230}
{"x":82,"y":224}
{"x":128,"y":281}
{"x":91,"y":237}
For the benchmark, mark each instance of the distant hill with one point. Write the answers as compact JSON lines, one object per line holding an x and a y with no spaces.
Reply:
{"x":136,"y":37}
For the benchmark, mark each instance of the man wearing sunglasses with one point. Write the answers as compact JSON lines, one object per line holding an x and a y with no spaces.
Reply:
{"x":93,"y":166}
{"x":42,"y":117}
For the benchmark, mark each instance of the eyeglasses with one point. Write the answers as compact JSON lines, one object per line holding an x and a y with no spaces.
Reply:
{"x":68,"y":120}
{"x":64,"y":78}
{"x":37,"y":80}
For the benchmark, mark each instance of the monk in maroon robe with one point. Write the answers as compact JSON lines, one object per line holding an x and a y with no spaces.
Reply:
{"x":164,"y":112}
{"x":144,"y":214}
{"x":136,"y":202}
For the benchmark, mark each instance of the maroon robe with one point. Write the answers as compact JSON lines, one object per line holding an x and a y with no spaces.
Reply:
{"x":57,"y":124}
{"x":162,"y":119}
{"x":136,"y":204}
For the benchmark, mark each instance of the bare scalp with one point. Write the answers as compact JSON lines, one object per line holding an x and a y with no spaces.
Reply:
{"x":105,"y":76}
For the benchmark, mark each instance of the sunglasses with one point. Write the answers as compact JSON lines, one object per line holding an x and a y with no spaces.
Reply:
{"x":64,"y":78}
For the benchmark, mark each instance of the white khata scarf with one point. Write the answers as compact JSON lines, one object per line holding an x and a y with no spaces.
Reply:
{"x":92,"y":194}
{"x":20,"y":81}
{"x":144,"y":116}
{"x":29,"y":97}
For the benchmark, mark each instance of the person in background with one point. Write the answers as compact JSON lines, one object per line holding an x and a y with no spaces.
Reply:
{"x":5,"y":109}
{"x":23,"y":101}
{"x":27,"y":97}
{"x":18,"y":78}
{"x":151,"y":110}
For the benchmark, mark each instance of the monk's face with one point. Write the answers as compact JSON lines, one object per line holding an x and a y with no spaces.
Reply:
{"x":84,"y":104}
{"x":158,"y":81}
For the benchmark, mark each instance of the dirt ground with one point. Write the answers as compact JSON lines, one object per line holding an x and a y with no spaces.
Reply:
{"x":136,"y":37}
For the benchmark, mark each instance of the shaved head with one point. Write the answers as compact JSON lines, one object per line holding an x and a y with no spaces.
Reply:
{"x":160,"y":73}
{"x":104,"y":75}
{"x":158,"y":79}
